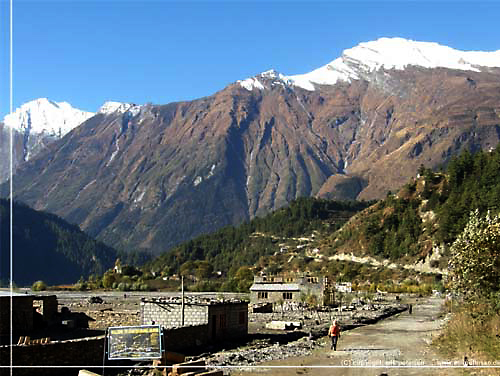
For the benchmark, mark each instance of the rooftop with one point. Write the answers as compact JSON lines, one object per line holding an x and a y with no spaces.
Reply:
{"x":193,"y":300}
{"x":275,"y":287}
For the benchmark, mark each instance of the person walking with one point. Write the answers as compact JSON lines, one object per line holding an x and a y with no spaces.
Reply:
{"x":334,"y":333}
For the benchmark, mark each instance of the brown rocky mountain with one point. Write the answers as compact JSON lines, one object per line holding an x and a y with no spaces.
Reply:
{"x":148,"y":177}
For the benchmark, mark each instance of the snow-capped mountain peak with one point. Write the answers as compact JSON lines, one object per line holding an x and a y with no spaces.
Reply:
{"x":388,"y":53}
{"x":43,"y":116}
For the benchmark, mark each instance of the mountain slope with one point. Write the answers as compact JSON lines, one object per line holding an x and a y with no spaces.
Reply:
{"x":232,"y":247}
{"x":47,"y":248}
{"x":149,"y":177}
{"x":406,"y":235}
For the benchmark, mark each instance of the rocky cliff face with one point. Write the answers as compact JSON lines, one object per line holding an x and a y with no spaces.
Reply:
{"x":148,"y":177}
{"x":5,"y":155}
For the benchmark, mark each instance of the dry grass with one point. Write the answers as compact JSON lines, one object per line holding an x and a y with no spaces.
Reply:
{"x":473,"y":332}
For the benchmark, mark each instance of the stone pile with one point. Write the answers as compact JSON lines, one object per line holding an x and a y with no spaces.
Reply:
{"x":263,"y":352}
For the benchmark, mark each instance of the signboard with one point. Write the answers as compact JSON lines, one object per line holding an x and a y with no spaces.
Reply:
{"x":134,"y":342}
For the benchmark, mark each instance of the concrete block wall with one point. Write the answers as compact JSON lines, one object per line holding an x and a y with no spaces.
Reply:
{"x":169,"y":315}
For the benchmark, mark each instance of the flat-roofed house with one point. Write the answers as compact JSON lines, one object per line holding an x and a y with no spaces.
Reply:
{"x":289,"y":288}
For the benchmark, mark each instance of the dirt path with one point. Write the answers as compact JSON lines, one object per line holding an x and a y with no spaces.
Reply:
{"x":403,"y":340}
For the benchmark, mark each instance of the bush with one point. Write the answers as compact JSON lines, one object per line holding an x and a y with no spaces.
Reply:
{"x":475,"y":258}
{"x":39,"y":286}
{"x":123,"y":286}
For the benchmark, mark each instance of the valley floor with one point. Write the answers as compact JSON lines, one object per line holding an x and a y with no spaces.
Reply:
{"x":396,"y":346}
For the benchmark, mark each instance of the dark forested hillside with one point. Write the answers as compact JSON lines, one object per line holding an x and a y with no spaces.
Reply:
{"x":474,"y":183}
{"x":428,"y":212}
{"x":407,"y":227}
{"x":232,"y":247}
{"x":45,"y":247}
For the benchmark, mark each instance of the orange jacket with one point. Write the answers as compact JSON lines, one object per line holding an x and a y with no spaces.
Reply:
{"x":334,"y":331}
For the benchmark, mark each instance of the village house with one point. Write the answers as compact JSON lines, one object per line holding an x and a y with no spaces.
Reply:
{"x":291,"y":289}
{"x":214,"y":319}
{"x":345,"y":287}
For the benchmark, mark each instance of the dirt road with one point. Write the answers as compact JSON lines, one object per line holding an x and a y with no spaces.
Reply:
{"x":396,"y":346}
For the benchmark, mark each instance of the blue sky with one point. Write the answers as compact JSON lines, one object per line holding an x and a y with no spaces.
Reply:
{"x":87,"y":52}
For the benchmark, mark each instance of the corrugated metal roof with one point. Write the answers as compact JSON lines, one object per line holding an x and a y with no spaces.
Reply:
{"x":275,"y":287}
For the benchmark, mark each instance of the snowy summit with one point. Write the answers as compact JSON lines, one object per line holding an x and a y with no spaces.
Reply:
{"x":388,"y":53}
{"x":43,"y":116}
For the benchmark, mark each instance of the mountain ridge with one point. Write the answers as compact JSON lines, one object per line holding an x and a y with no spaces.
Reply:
{"x":45,"y":247}
{"x":156,"y":175}
{"x":361,"y":61}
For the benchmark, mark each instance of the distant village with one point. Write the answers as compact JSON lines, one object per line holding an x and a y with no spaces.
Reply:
{"x":40,"y":324}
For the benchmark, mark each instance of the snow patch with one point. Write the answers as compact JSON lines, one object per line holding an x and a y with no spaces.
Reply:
{"x":251,"y":83}
{"x":211,"y":173}
{"x":197,"y":181}
{"x":113,"y":155}
{"x":141,"y":196}
{"x":110,"y":107}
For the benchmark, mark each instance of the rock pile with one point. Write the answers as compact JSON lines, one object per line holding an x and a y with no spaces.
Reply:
{"x":263,"y":352}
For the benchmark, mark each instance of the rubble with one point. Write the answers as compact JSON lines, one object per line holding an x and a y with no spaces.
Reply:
{"x":312,"y":336}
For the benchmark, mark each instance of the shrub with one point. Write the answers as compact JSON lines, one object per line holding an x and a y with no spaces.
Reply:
{"x":39,"y":286}
{"x":475,"y":258}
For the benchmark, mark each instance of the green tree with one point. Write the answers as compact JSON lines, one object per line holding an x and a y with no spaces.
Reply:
{"x":475,"y":258}
{"x":187,"y":268}
{"x":203,"y":270}
{"x":244,"y":278}
{"x":39,"y":286}
{"x":108,"y":279}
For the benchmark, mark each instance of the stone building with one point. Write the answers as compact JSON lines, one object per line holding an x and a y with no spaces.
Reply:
{"x":29,"y":312}
{"x":215,"y":319}
{"x":291,"y":288}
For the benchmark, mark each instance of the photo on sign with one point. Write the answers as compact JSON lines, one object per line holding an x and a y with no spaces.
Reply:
{"x":134,"y":342}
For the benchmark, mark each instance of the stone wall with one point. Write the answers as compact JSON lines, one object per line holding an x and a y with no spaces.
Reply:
{"x":169,"y":315}
{"x":22,"y":314}
{"x":84,"y":352}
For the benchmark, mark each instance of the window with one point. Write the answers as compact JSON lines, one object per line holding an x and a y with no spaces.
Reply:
{"x":262,"y":295}
{"x":312,"y":279}
{"x":287,"y":295}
